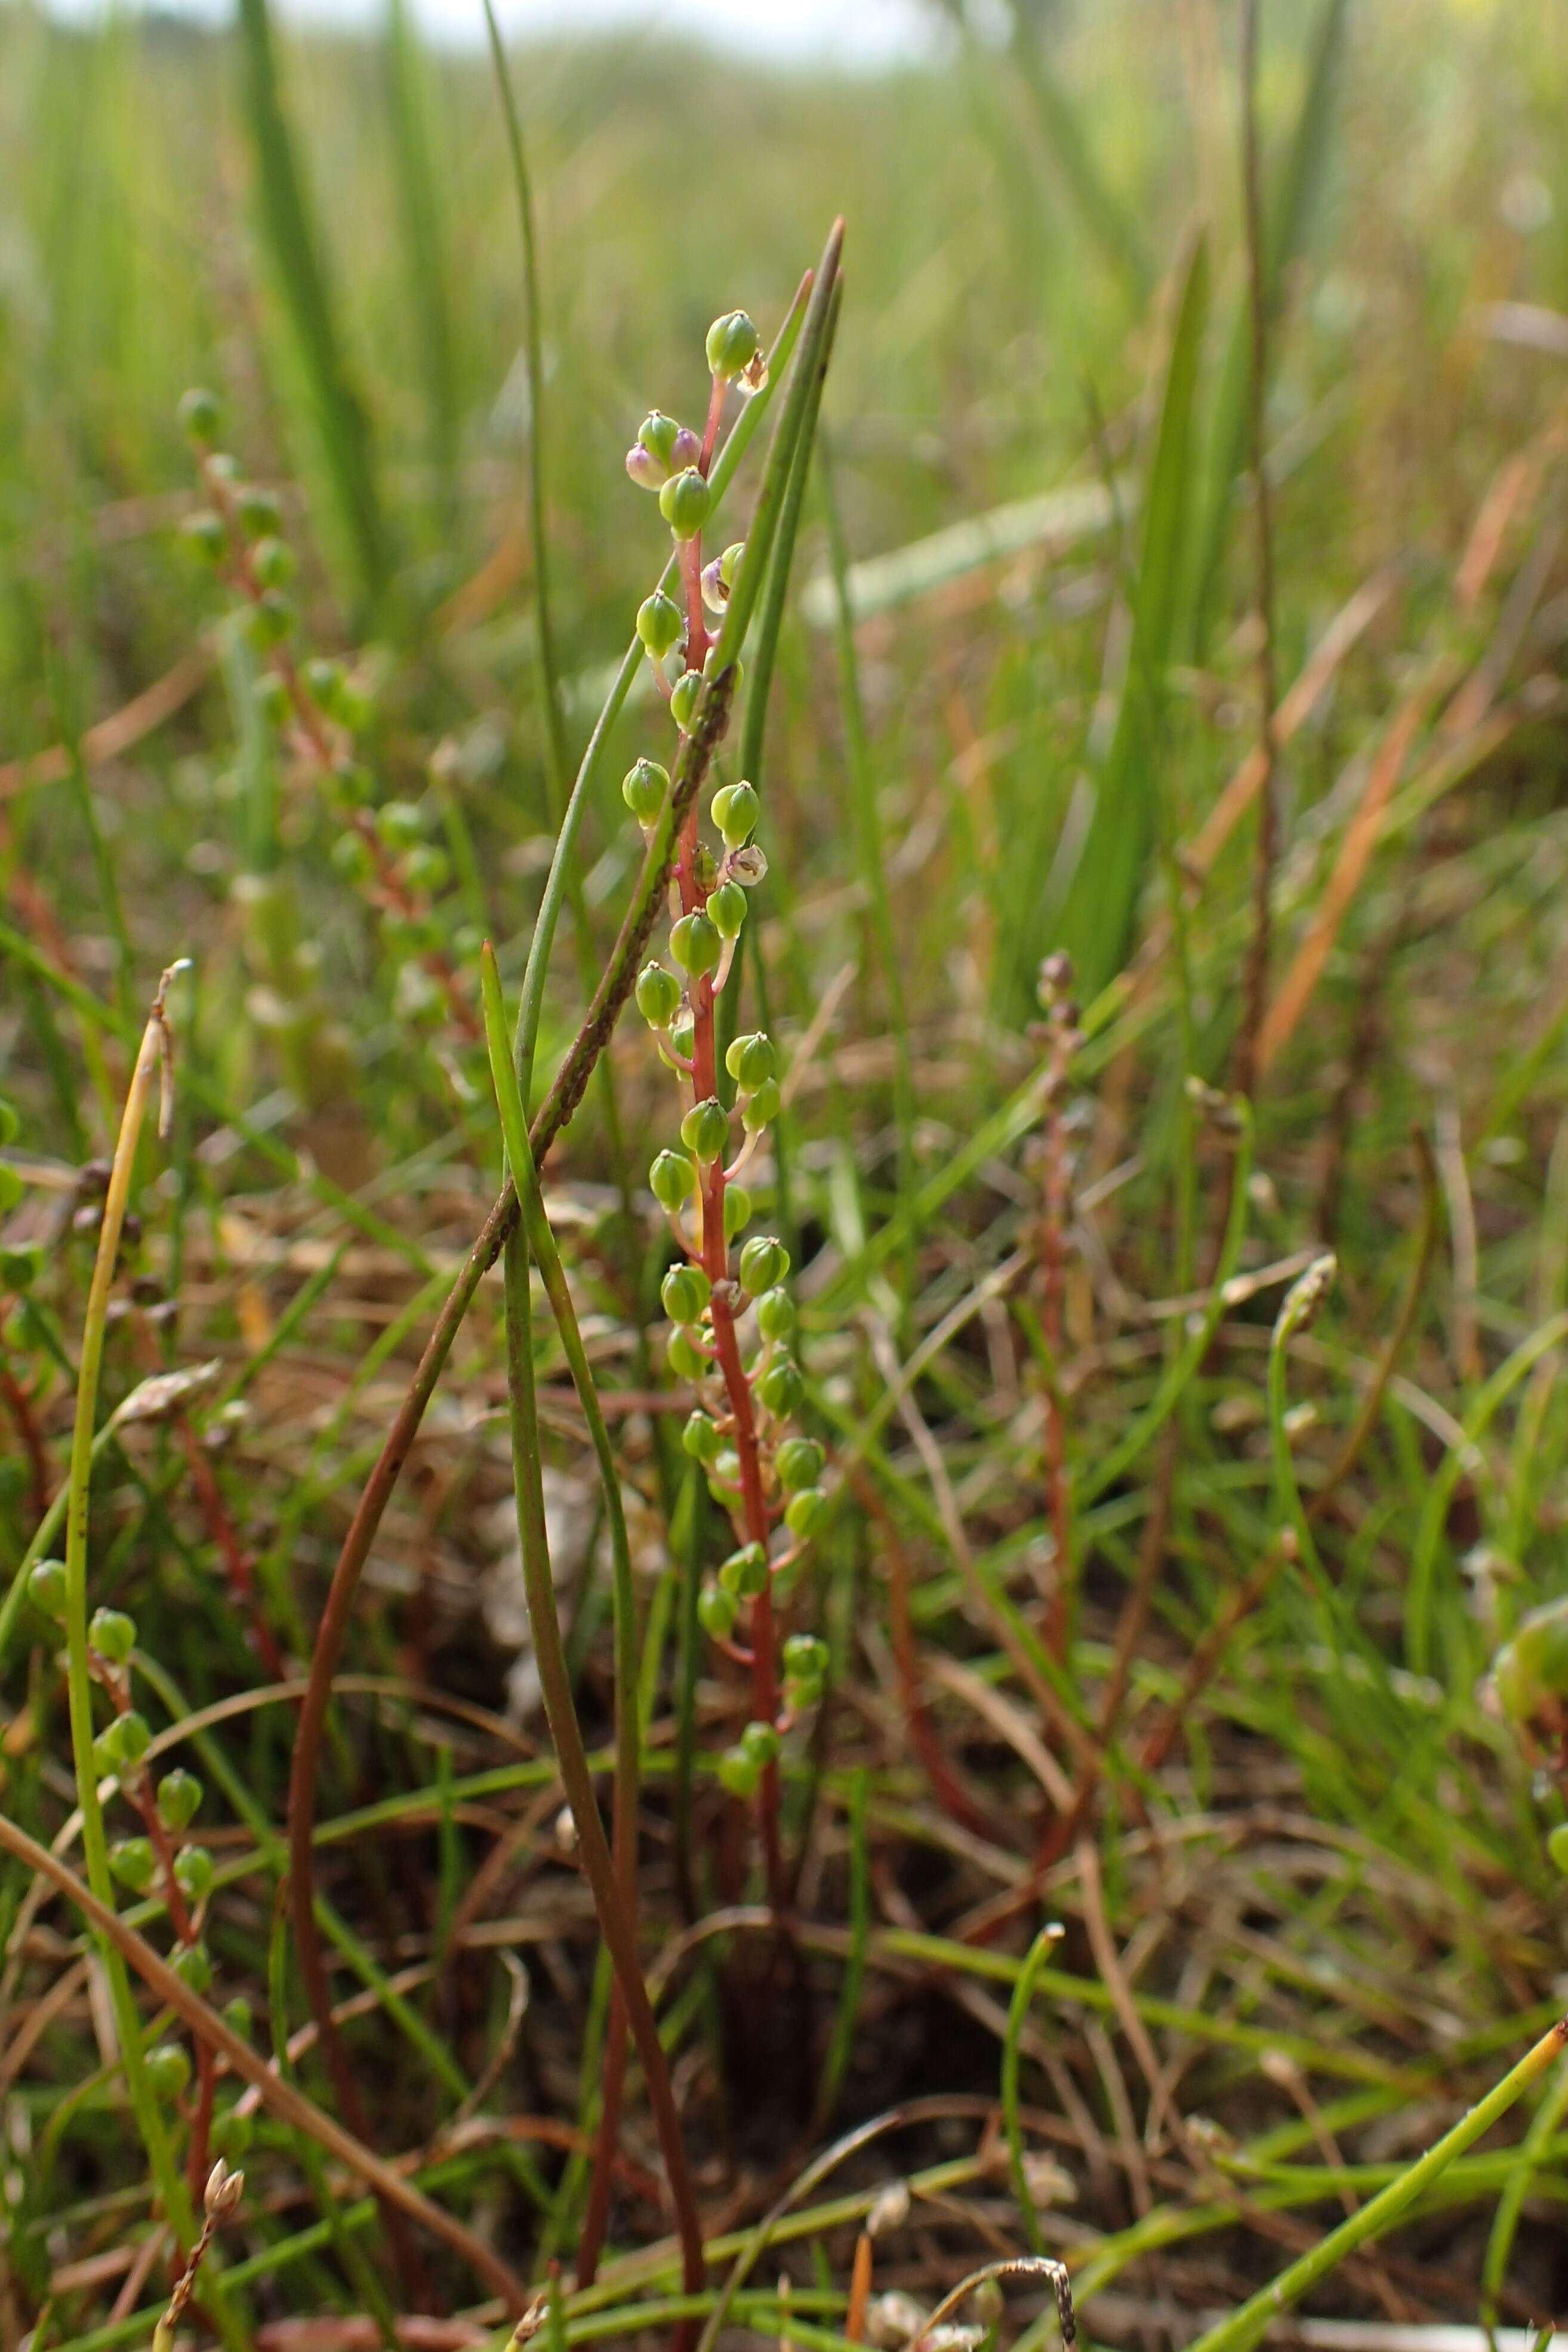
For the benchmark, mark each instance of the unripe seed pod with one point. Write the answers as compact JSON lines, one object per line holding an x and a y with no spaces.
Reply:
{"x":775,"y":1316}
{"x":726,"y":908}
{"x":724,"y":1469}
{"x":259,"y":512}
{"x":643,"y":788}
{"x":798,"y":1463}
{"x":130,"y":1738}
{"x":716,"y":1611}
{"x":803,"y":1513}
{"x":684,"y":1356}
{"x":752,"y":1060}
{"x":659,"y":623}
{"x":695,"y":944}
{"x":426,"y":868}
{"x":133,"y":1863}
{"x":179,"y":1800}
{"x":47,"y":1589}
{"x":702,"y":1439}
{"x":168,"y":2069}
{"x":781,"y":1388}
{"x":685,"y":501}
{"x":686,"y":1291}
{"x":192,"y":1965}
{"x":685,"y":696}
{"x":326,"y":682}
{"x":204,"y":531}
{"x":273,"y":619}
{"x":194,"y":1872}
{"x":738,"y":1773}
{"x":645,"y":468}
{"x":761,"y":1108}
{"x":737,"y":1210}
{"x":744,"y":1572}
{"x":735,"y":809}
{"x":657,"y":434}
{"x":658,"y":995}
{"x":705,"y":1130}
{"x":672,"y":1178}
{"x":200,"y":416}
{"x":237,"y":2016}
{"x":272,"y":561}
{"x":351,"y":855}
{"x":682,"y":1031}
{"x":764,"y":1262}
{"x":112,"y":1634}
{"x":760,"y":1742}
{"x":399,"y":823}
{"x":806,"y":1655}
{"x":731,"y":343}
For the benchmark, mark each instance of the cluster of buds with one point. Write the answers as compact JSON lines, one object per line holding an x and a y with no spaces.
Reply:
{"x":163,"y":1859}
{"x":733,"y":1319}
{"x":324,"y":713}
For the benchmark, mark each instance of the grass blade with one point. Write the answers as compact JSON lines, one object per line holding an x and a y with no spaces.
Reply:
{"x":1101,"y":899}
{"x":408,"y":98}
{"x":342,"y":416}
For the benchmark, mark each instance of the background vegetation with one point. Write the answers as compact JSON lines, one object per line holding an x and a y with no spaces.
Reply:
{"x":1151,"y":1610}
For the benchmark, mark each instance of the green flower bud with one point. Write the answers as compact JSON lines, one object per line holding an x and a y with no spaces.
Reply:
{"x":738,"y":1773}
{"x":426,"y":868}
{"x":352,"y":856}
{"x":327,"y":682}
{"x":737,"y":1210}
{"x":672,"y":1180}
{"x":168,"y":2070}
{"x":47,"y":1589}
{"x":10,"y":1123}
{"x":686,"y":1291}
{"x":203,"y":531}
{"x":702,"y":1439}
{"x":764,"y":1262}
{"x":798,"y":1463}
{"x":11,"y":1186}
{"x":760,"y":1742}
{"x":194,"y":1872}
{"x":658,"y":995}
{"x":133,"y":1863}
{"x":683,"y":1355}
{"x":237,"y":2016}
{"x":1531,"y":1670}
{"x":726,"y":908}
{"x":735,"y":809}
{"x":399,"y":823}
{"x":806,"y":1656}
{"x":659,"y":625}
{"x":644,"y":467}
{"x":695,"y":944}
{"x":179,"y":1799}
{"x":670,"y":444}
{"x":725,"y":1468}
{"x":200,"y":416}
{"x":732,"y":345}
{"x":192,"y":1965}
{"x":258,"y":511}
{"x":717,"y":1611}
{"x":705,"y":1130}
{"x":272,"y":561}
{"x":744,"y":1572}
{"x":775,"y":1316}
{"x":684,"y":1031}
{"x":685,"y":501}
{"x":803,"y":1513}
{"x":643,"y":788}
{"x":112,"y":1634}
{"x":685,"y":696}
{"x":761,"y":1108}
{"x":781,"y":1388}
{"x":121,"y":1747}
{"x":751,"y":1060}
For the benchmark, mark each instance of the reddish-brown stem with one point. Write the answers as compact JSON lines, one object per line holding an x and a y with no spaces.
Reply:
{"x":19,"y":1405}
